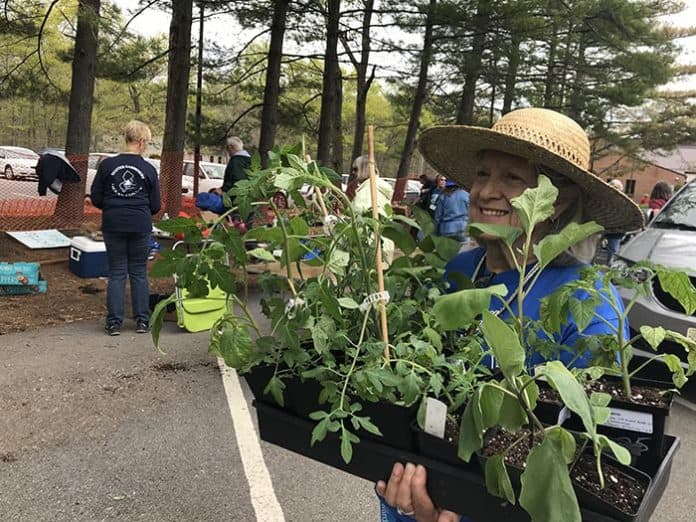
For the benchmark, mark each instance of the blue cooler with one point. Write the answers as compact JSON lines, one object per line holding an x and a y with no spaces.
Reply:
{"x":88,"y":257}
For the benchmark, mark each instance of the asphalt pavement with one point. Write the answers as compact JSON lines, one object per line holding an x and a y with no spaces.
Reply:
{"x":105,"y":428}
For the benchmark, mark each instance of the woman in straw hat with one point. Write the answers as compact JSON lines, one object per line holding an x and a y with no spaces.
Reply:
{"x":496,"y":165}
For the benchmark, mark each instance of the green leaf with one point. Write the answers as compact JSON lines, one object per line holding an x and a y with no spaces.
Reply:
{"x":299,"y":226}
{"x":504,"y":232}
{"x":348,"y":302}
{"x":425,"y":221}
{"x":547,"y":492}
{"x":504,"y":343}
{"x":491,"y":402}
{"x":459,"y":309}
{"x":470,"y":429}
{"x":678,"y":285}
{"x":653,"y":336}
{"x":434,"y":337}
{"x":535,"y":205}
{"x":445,"y":247}
{"x":346,"y":447}
{"x":512,"y":416}
{"x":319,"y":431}
{"x":262,"y":254}
{"x":338,"y":261}
{"x":674,"y":364}
{"x":368,"y":426}
{"x":275,"y":386}
{"x":402,"y":238}
{"x":157,"y":319}
{"x":621,"y":453}
{"x":552,"y":245}
{"x":497,"y":479}
{"x":571,"y":391}
{"x":583,"y":311}
{"x":236,"y":346}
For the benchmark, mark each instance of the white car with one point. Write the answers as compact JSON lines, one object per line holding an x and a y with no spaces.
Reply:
{"x":210,"y":176}
{"x":18,"y":163}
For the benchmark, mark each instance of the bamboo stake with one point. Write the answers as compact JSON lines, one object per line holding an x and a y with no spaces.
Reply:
{"x":378,"y":239}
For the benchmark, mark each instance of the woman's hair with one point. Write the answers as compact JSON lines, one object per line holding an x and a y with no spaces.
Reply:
{"x":585,"y":250}
{"x":136,"y":131}
{"x":661,"y":190}
{"x":361,"y":167}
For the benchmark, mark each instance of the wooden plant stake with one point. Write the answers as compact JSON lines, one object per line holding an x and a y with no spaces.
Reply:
{"x":378,"y":239}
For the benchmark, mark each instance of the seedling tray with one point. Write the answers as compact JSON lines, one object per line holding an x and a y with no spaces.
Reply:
{"x":457,"y":489}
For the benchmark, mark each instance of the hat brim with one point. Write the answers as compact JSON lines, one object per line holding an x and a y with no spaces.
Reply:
{"x":453,"y":151}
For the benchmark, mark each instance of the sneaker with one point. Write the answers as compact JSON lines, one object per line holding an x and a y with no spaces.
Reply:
{"x":113,"y":329}
{"x":142,"y":326}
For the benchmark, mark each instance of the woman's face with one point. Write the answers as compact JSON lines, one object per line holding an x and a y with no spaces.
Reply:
{"x":441,"y":182}
{"x":499,"y":178}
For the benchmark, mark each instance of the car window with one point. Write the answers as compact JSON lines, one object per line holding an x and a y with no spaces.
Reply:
{"x":188,"y":169}
{"x":19,"y":152}
{"x":680,"y":210}
{"x":214,"y":170}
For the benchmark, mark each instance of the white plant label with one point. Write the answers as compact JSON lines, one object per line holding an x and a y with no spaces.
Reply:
{"x":435,"y":417}
{"x":691,"y":333}
{"x":630,"y":420}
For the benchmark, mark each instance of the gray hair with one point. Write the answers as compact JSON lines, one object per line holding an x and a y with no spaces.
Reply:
{"x":361,"y":164}
{"x":584,"y":251}
{"x":235,"y":143}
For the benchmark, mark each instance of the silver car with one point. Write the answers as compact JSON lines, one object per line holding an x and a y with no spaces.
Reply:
{"x":669,"y":240}
{"x":18,"y":163}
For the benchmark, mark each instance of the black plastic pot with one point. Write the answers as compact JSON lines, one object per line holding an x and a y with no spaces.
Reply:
{"x":454,"y":488}
{"x":393,"y":421}
{"x":640,"y":428}
{"x":299,"y":397}
{"x":440,"y":449}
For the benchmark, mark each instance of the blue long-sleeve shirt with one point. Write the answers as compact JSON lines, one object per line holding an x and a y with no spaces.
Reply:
{"x":127,"y":190}
{"x":452,"y":213}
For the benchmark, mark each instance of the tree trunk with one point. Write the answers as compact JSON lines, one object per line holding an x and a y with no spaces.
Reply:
{"x":271,"y":93}
{"x":465,"y":112}
{"x":175,"y":112}
{"x":328,"y":92}
{"x":70,"y":204}
{"x":550,"y":80}
{"x":511,"y":74}
{"x":577,"y":97}
{"x":363,"y":82}
{"x":418,"y":100}
{"x":337,"y":130}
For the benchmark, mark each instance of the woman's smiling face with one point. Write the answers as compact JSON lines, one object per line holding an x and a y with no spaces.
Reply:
{"x":499,"y":178}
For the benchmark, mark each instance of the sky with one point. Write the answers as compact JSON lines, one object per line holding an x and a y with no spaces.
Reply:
{"x":153,"y":22}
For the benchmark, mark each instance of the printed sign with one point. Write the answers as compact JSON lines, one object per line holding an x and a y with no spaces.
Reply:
{"x":630,"y":420}
{"x":35,"y":239}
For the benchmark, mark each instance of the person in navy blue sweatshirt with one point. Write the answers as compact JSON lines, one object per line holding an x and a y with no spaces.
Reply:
{"x":126,"y":188}
{"x":496,"y":165}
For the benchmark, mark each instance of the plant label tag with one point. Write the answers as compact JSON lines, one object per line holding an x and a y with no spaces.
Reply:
{"x":691,"y":333}
{"x":630,"y":420}
{"x":435,"y":417}
{"x":563,"y":416}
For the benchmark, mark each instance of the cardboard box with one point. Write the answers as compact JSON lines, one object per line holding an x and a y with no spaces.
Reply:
{"x":88,"y":257}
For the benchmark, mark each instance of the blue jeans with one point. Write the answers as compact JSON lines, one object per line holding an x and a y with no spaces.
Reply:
{"x":127,"y":255}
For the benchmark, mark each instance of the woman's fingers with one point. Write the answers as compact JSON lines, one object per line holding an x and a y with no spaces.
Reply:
{"x":393,"y":483}
{"x":381,"y":487}
{"x":425,"y":509}
{"x":403,"y":495}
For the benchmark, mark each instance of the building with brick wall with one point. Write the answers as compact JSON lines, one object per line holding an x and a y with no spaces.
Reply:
{"x":639,"y":175}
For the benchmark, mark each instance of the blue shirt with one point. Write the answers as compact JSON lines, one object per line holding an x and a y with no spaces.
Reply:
{"x":549,"y":280}
{"x":127,"y":190}
{"x":452,"y":213}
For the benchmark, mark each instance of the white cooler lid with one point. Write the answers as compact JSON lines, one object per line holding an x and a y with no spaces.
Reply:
{"x":87,"y":245}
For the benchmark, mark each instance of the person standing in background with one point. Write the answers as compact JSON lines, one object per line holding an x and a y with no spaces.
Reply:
{"x":240,"y":160}
{"x":452,"y":212}
{"x":660,"y":194}
{"x":126,"y":188}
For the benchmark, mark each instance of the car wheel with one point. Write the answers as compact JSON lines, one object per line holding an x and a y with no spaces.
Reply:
{"x":9,"y":173}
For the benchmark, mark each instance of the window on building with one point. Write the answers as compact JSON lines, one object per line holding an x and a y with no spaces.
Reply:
{"x":630,"y":187}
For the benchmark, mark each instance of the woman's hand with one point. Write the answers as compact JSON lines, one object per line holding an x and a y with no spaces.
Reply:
{"x":406,"y":491}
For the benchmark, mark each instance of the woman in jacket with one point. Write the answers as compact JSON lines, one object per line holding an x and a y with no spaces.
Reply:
{"x":452,"y":212}
{"x":126,"y":188}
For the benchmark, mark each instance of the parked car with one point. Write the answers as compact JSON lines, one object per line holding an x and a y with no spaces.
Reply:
{"x":210,"y":176}
{"x":412,"y":190}
{"x":18,"y":163}
{"x":669,"y":240}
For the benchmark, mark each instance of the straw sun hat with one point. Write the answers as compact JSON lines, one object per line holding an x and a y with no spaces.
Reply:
{"x":542,"y":136}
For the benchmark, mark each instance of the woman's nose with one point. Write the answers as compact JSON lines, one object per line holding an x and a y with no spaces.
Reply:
{"x":489,"y":187}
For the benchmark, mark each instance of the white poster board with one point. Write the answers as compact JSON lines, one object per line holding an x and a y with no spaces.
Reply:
{"x":35,"y":239}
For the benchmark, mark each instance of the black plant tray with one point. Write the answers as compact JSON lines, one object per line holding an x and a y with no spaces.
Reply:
{"x":457,"y":489}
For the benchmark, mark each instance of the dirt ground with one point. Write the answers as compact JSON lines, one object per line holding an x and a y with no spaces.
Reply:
{"x":69,"y":298}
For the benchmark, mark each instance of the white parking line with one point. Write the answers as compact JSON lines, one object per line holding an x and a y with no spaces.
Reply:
{"x":263,"y":497}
